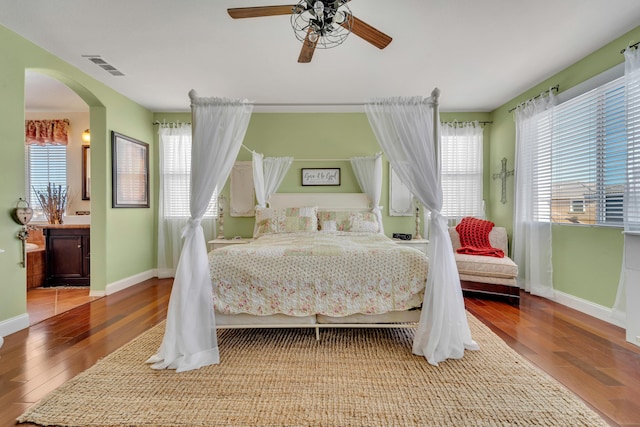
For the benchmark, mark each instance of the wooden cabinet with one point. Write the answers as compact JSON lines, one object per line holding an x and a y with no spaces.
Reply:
{"x":67,"y":256}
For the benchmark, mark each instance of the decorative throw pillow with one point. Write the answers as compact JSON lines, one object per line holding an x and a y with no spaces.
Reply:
{"x":341,"y":219}
{"x":367,"y":220}
{"x":345,"y":220}
{"x":285,"y":220}
{"x":328,"y":226}
{"x":364,"y":226}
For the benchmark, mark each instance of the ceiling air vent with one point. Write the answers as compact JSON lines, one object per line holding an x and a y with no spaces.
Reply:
{"x":97,"y":59}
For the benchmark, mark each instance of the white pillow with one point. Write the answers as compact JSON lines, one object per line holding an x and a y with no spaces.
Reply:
{"x":329,"y":226}
{"x":360,"y":225}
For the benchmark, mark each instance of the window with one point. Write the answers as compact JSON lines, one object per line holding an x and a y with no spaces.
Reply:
{"x":44,"y":164}
{"x":577,"y":206}
{"x":462,"y":184}
{"x":176,"y":174}
{"x":587,"y":162}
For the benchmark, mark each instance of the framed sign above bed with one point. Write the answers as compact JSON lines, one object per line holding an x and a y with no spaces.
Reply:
{"x":321,"y":176}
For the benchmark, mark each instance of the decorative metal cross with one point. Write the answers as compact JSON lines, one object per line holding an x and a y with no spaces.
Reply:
{"x":504,"y":173}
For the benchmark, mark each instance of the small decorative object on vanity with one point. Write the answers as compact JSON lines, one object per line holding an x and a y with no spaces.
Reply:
{"x":53,"y":201}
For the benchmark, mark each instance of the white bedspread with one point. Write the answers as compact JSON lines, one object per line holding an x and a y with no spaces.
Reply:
{"x":300,"y":274}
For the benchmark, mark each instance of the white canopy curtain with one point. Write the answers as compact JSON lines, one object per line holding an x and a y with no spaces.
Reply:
{"x":173,"y":200}
{"x":632,"y":187}
{"x":268,"y":174}
{"x":532,"y":211}
{"x":404,"y":128}
{"x":462,"y":180}
{"x":190,"y":341}
{"x":368,"y":171}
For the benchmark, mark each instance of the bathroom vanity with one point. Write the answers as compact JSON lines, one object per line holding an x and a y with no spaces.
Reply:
{"x":67,"y":255}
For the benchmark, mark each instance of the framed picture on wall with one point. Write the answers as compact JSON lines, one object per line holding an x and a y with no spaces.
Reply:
{"x":129,"y":172}
{"x":321,"y":176}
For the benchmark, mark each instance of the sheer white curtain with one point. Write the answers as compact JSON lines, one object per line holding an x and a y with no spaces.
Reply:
{"x":462,"y":180}
{"x":404,"y":128}
{"x":190,"y":341}
{"x":632,"y":188}
{"x":173,"y":200}
{"x":632,"y":105}
{"x":268,"y":174}
{"x":368,"y":171}
{"x":532,"y":211}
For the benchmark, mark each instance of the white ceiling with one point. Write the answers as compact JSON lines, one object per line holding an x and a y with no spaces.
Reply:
{"x":480,"y":54}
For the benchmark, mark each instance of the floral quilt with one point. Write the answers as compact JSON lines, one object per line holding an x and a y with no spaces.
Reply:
{"x":300,"y":274}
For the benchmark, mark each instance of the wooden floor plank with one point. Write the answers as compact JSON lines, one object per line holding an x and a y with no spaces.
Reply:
{"x":588,"y":356}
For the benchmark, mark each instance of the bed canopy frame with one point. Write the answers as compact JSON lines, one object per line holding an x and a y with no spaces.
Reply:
{"x":408,"y":132}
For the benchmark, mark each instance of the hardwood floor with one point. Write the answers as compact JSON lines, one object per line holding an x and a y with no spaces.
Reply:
{"x":43,"y":303}
{"x":588,"y":356}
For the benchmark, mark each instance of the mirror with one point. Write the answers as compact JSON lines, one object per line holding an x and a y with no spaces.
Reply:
{"x":400,"y":198}
{"x":86,"y":172}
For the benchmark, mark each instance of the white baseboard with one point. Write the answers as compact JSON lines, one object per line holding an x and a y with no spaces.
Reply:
{"x":15,"y":324}
{"x":594,"y":310}
{"x":127,"y":282}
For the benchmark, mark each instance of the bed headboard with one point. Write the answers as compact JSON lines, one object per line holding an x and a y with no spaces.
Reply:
{"x":324,"y":201}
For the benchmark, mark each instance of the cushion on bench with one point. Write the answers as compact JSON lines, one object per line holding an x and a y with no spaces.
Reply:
{"x":487,"y":274}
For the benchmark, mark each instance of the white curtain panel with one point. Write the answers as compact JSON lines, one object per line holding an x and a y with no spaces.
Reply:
{"x":368,"y":171}
{"x":190,"y":342}
{"x":173,"y":200}
{"x":462,"y":180}
{"x":532,"y":211}
{"x":632,"y":106}
{"x":632,"y":189}
{"x":268,"y":174}
{"x":404,"y":128}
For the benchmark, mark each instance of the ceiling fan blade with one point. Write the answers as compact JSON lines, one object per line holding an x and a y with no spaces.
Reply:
{"x":258,"y":11}
{"x":308,"y":47}
{"x":368,"y":33}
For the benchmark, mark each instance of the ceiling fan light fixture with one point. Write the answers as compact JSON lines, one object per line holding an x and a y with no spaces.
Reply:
{"x":325,"y":24}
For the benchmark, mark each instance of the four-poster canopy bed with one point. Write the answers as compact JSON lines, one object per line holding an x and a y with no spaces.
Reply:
{"x":408,"y":132}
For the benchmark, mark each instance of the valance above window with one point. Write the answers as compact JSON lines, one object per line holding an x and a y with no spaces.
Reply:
{"x":43,"y":132}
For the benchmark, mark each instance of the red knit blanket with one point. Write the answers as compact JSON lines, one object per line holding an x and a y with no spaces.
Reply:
{"x":474,"y":238}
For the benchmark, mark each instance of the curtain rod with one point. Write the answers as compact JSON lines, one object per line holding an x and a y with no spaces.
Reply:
{"x":631,"y":46}
{"x":170,"y":123}
{"x":428,"y":100}
{"x":308,"y":104}
{"x":470,"y":121}
{"x":556,"y":88}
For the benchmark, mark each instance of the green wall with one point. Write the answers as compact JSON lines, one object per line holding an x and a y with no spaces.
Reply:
{"x":121,"y":240}
{"x":316,"y":136}
{"x":586,"y":260}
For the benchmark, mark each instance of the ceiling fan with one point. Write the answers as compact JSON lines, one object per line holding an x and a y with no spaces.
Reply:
{"x":319,"y":24}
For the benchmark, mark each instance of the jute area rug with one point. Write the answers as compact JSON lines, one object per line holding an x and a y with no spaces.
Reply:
{"x":351,"y":377}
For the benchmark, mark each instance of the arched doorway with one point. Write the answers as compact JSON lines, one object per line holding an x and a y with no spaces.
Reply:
{"x":47,"y":97}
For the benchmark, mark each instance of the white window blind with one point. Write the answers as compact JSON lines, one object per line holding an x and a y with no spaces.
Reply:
{"x":176,"y":174}
{"x":462,"y":184}
{"x":44,"y":164}
{"x":587,"y":164}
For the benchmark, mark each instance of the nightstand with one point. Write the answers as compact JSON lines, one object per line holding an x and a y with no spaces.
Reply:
{"x":221,"y":243}
{"x":420,"y":244}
